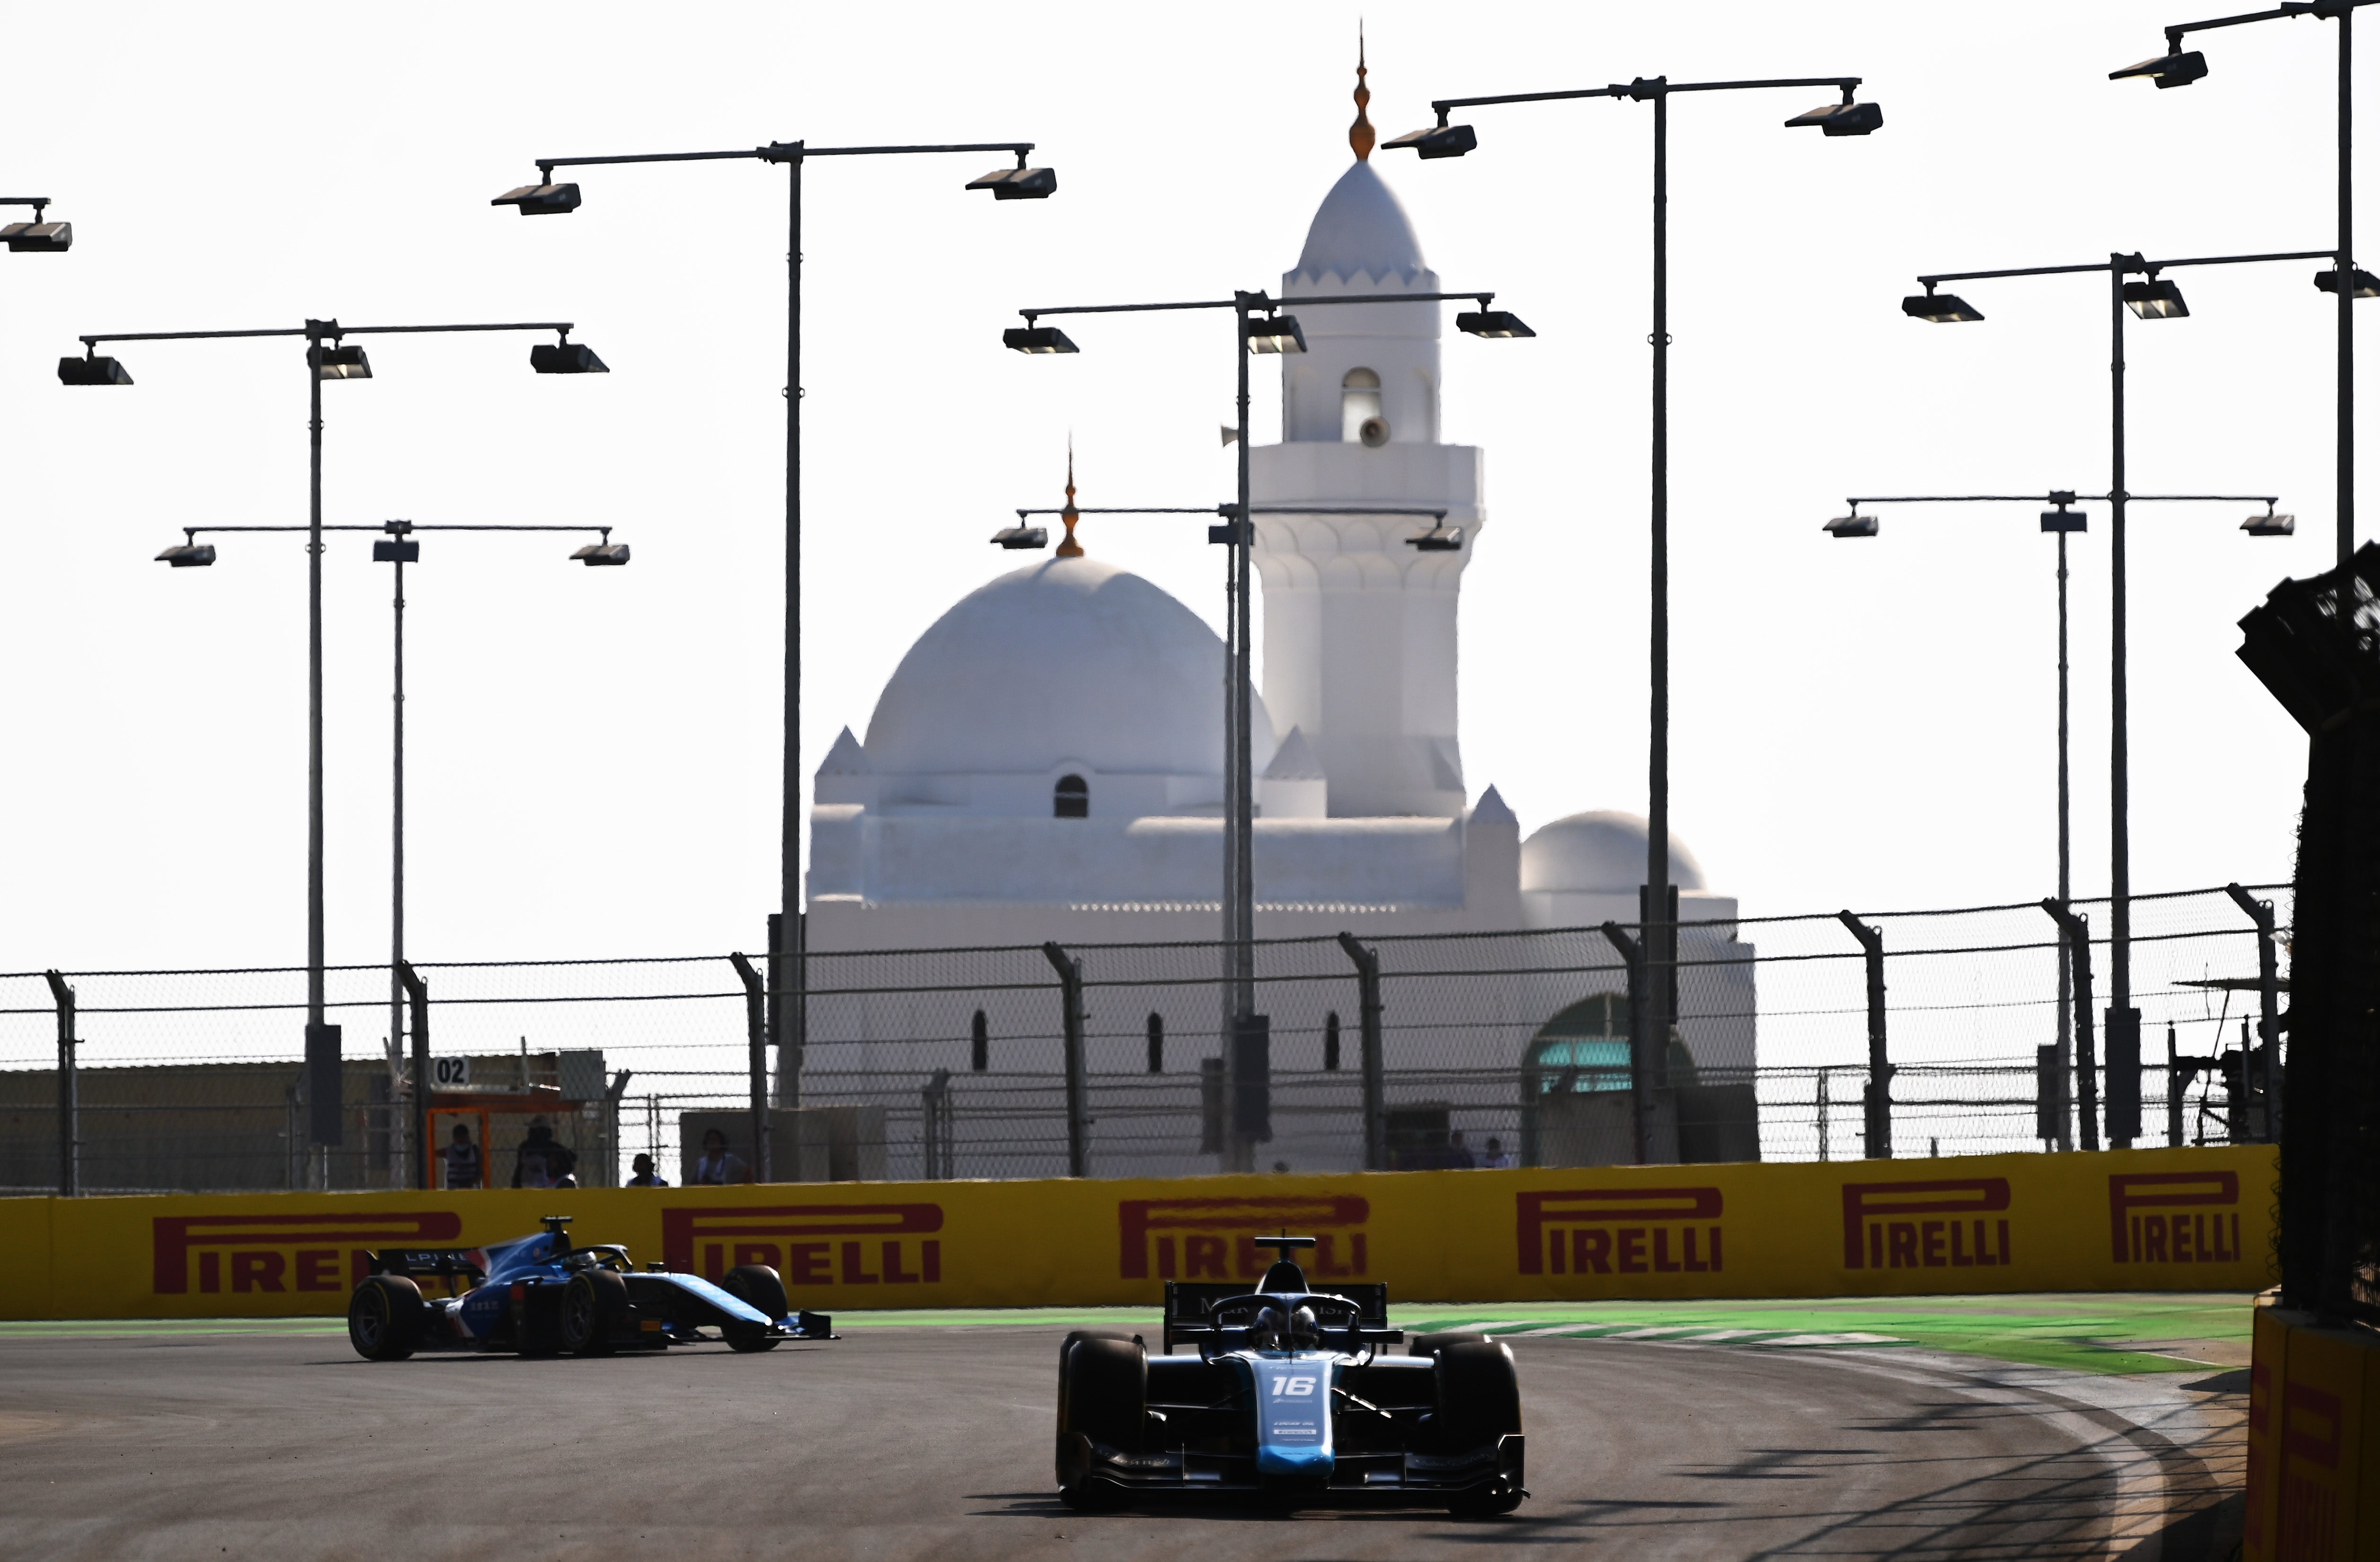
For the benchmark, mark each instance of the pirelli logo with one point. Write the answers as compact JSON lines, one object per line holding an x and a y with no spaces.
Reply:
{"x":810,"y":1244}
{"x":1886,"y":1224}
{"x":264,"y":1253}
{"x":2174,"y":1217}
{"x":1622,"y":1232}
{"x":1216,"y":1238}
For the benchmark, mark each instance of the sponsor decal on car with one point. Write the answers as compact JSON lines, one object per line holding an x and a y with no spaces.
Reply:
{"x":2143,"y":1233}
{"x":264,"y":1253}
{"x":1876,"y":1235}
{"x":1216,"y":1238}
{"x":1621,"y":1230}
{"x":838,"y":1244}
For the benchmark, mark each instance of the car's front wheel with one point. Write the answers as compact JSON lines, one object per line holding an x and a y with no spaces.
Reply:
{"x":384,"y":1318}
{"x":758,"y":1286}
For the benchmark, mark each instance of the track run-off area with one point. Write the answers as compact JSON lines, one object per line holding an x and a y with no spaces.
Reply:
{"x":2003,"y":1426}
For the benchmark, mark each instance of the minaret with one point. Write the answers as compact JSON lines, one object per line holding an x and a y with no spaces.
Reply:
{"x":1359,"y":626}
{"x":1070,"y":549}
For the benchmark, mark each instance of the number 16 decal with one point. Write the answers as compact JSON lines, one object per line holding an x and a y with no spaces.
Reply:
{"x":1293,"y":1388}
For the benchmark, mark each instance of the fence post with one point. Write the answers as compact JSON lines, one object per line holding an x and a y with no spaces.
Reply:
{"x":425,"y":1153}
{"x":756,"y":1031}
{"x":1639,"y":1082}
{"x":2268,"y":1015}
{"x":1878,"y":1113}
{"x":69,"y":1103}
{"x":2075,"y":929}
{"x":1367,"y":1000}
{"x":1823,"y":1075}
{"x":1069,"y":990}
{"x":937,"y":1101}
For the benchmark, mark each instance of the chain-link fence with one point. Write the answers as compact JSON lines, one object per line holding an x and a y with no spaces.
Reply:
{"x":1118,"y":1060}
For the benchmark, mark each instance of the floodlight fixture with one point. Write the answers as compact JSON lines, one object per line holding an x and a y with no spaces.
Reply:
{"x":1853,"y":525}
{"x":1940,"y":308}
{"x":2366,"y":285}
{"x":1439,"y":140}
{"x":92,"y":369}
{"x":2156,"y":298}
{"x":344,"y":363}
{"x":188,"y":555}
{"x":605,"y":552}
{"x":1438,"y":539}
{"x":396,"y":550}
{"x":1021,"y":537}
{"x":1019,"y":183}
{"x":539,"y":200}
{"x":1276,"y":334}
{"x":1498,"y":323}
{"x":38,"y":237}
{"x":2177,"y":68}
{"x":2270,"y":524}
{"x":2062,"y":519}
{"x":1845,"y":118}
{"x":566,"y":358}
{"x":1036,"y":339}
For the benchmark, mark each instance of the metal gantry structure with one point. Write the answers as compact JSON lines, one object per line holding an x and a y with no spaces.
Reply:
{"x":1651,"y":1023}
{"x":1258,"y":327}
{"x":787,"y":981}
{"x":2063,"y":522}
{"x":328,"y":357}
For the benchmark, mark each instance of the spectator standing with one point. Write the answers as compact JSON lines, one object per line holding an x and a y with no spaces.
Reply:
{"x":645,"y":1176}
{"x":462,"y":1158}
{"x":717,"y":1167}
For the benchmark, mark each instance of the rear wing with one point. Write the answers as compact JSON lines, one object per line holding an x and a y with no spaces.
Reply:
{"x":420,"y":1264}
{"x":1187,"y":1303}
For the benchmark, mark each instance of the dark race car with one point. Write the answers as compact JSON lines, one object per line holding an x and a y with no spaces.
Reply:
{"x":1291,"y":1397}
{"x":540,"y":1296}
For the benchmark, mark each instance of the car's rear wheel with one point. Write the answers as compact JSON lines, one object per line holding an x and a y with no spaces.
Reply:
{"x":590,"y":1303}
{"x":758,"y":1286}
{"x":384,"y":1318}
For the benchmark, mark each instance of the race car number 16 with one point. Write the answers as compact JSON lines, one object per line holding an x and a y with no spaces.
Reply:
{"x":1293,"y":1388}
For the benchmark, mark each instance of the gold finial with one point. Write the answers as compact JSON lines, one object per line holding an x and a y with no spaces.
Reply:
{"x":1070,"y":549}
{"x":1359,"y":135}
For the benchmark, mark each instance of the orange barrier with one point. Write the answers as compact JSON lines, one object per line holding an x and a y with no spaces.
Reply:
{"x":2193,"y":1219}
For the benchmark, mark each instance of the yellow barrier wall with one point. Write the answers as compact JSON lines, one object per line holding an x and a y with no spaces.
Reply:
{"x":2313,"y":1442}
{"x":2194,"y":1219}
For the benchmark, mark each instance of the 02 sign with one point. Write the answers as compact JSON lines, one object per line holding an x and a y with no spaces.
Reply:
{"x":450,"y":1073}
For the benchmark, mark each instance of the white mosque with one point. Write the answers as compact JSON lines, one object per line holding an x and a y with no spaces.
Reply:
{"x":1046,"y":764}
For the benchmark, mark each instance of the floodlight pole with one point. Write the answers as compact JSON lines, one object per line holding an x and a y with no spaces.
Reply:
{"x":1660,"y":937}
{"x":2062,"y":498}
{"x":1239,"y":780}
{"x":315,"y":332}
{"x":2343,"y":13}
{"x":788,"y":973}
{"x":2118,"y":266}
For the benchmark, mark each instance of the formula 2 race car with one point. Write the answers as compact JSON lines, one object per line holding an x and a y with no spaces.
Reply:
{"x":1289,"y":1398}
{"x":540,"y":1296}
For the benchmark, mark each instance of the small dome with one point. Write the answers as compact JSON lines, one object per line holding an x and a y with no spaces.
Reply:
{"x":1069,"y":660}
{"x":1360,"y":229}
{"x":1601,"y":853}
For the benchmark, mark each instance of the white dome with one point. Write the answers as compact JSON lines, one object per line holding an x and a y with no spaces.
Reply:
{"x":1071,"y":660}
{"x":1360,"y":229}
{"x":1601,"y":853}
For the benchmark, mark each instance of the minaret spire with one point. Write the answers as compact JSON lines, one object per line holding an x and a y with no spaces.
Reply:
{"x":1359,"y":135}
{"x":1070,"y":549}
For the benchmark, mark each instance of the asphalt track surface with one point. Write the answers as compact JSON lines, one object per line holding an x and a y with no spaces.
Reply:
{"x":936,"y":1443}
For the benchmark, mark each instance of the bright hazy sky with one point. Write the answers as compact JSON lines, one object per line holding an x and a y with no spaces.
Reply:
{"x":594,"y":754}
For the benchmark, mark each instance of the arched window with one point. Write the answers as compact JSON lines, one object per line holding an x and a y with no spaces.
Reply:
{"x":1073,"y":800}
{"x":1155,"y":1043}
{"x":1330,"y":1044}
{"x":1360,"y":420}
{"x":979,"y":1056}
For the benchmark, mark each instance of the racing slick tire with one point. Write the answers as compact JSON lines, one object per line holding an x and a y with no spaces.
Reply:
{"x":385,"y":1317}
{"x":1479,"y":1402}
{"x":592,"y":1303}
{"x":1102,"y":1398}
{"x":758,"y":1286}
{"x":1432,"y":1344}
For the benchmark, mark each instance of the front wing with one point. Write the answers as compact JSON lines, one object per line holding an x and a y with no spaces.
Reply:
{"x":1498,"y":1467}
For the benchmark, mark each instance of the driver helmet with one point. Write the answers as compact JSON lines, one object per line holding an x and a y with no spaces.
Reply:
{"x":1303,"y":1327}
{"x":1265,"y":1332}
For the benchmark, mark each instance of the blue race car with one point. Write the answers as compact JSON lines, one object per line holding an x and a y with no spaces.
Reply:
{"x":1290,"y":1398}
{"x":540,"y":1296}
